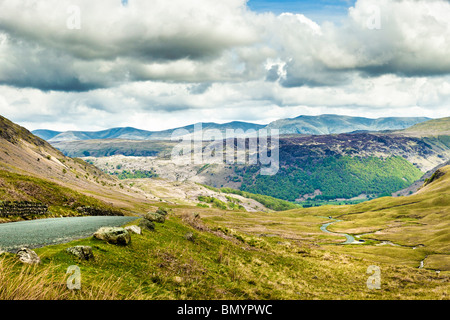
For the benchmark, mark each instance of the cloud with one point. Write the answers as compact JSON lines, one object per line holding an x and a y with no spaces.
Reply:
{"x":214,"y":41}
{"x":143,"y":40}
{"x":412,"y":39}
{"x":157,"y":64}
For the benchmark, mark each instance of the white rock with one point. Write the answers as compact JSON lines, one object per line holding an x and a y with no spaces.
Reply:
{"x":113,"y":235}
{"x":134,"y":229}
{"x":28,"y":256}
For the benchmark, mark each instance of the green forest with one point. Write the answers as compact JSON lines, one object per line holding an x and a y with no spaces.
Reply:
{"x":336,"y":177}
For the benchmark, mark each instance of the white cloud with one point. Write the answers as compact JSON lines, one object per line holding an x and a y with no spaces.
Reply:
{"x":156,"y":64}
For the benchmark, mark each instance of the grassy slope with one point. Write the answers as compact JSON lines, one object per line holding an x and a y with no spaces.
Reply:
{"x":269,"y":202}
{"x":421,"y":220}
{"x":29,"y":166}
{"x":435,"y":127}
{"x":61,"y":200}
{"x":230,"y":259}
{"x":164,"y":265}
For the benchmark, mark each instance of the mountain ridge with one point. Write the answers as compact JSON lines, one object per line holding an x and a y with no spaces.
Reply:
{"x":310,"y":125}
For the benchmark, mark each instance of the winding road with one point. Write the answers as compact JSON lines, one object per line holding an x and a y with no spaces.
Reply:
{"x":44,"y":232}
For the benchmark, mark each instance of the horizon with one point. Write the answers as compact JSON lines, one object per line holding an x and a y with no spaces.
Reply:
{"x":222,"y":123}
{"x":152,"y":65}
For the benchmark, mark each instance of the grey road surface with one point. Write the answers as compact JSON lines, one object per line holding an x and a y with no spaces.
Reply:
{"x":44,"y":232}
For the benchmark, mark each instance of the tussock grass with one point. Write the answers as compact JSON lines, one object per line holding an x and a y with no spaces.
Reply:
{"x":25,"y":282}
{"x":49,"y":282}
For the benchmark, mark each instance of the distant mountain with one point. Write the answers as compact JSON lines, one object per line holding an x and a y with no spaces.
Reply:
{"x":46,"y":134}
{"x":332,"y":124}
{"x":129,"y":133}
{"x":309,"y":125}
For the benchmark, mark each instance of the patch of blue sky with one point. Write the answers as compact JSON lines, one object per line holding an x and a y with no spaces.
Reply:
{"x":317,"y":10}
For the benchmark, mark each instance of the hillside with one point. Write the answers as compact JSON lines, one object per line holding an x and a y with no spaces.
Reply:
{"x":33,"y":170}
{"x":260,"y":256}
{"x":345,"y":168}
{"x":419,"y":183}
{"x":435,"y":127}
{"x":401,"y":230}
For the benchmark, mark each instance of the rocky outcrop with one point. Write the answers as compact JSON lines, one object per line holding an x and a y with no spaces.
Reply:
{"x":82,"y":252}
{"x":113,"y":235}
{"x":28,"y":256}
{"x":22,"y":208}
{"x":155,"y":217}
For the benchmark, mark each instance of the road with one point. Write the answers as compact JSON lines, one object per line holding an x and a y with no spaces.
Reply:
{"x":43,"y":232}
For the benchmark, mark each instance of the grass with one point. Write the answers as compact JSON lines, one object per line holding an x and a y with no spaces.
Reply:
{"x":219,"y":263}
{"x":62,"y":201}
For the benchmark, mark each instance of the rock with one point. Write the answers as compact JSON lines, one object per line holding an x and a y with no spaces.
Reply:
{"x":82,"y":252}
{"x":113,"y":235}
{"x":147,"y":224}
{"x":178,"y":280}
{"x":189,"y":236}
{"x":28,"y":256}
{"x":162,"y":211}
{"x":155,"y":217}
{"x":134,"y":229}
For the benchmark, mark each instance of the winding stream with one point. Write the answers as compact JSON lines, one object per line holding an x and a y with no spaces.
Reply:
{"x":349,"y":239}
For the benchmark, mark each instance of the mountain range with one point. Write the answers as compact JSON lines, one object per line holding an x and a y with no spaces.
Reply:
{"x":308,"y":125}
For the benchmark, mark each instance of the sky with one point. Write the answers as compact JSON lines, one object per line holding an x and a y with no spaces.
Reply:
{"x":157,"y":64}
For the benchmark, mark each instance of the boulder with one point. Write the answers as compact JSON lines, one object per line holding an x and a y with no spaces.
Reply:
{"x":82,"y":252}
{"x":28,"y":256}
{"x":113,"y":235}
{"x":134,"y":229}
{"x":155,"y":217}
{"x":162,"y":211}
{"x":146,"y":224}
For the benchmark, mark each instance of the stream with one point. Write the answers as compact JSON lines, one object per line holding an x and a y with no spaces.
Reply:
{"x":349,"y":239}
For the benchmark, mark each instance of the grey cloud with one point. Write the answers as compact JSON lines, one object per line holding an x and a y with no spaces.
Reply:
{"x":200,"y":88}
{"x":208,"y":41}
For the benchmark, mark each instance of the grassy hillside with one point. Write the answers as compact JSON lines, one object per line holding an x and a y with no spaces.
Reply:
{"x":218,"y":263}
{"x":241,"y":255}
{"x":32,"y":169}
{"x":435,"y":127}
{"x":402,"y":230}
{"x":61,"y":200}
